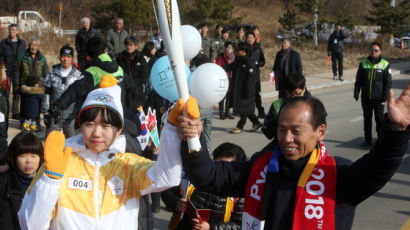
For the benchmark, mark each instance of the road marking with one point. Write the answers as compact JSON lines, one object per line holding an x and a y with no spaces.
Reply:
{"x":357,"y":119}
{"x":406,"y":225}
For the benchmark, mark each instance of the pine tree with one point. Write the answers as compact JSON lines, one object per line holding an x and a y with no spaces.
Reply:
{"x":288,"y":20}
{"x":387,"y":17}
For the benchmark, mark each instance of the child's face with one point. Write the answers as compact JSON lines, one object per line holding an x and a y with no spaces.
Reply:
{"x":99,"y":136}
{"x":28,"y":163}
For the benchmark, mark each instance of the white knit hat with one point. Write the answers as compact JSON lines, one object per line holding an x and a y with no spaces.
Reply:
{"x":109,"y":98}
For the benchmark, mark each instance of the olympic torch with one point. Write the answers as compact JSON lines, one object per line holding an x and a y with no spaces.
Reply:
{"x":170,"y":25}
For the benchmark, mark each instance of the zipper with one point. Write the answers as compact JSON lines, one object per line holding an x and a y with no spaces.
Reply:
{"x":371,"y":82}
{"x":96,"y":198}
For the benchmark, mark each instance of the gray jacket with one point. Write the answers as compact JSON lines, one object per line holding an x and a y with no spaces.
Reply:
{"x":55,"y":85}
{"x":115,"y":41}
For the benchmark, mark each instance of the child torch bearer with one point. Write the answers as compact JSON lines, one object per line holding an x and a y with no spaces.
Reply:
{"x":170,"y":25}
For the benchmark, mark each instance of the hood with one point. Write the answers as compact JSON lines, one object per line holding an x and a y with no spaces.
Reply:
{"x":105,"y":63}
{"x":78,"y":146}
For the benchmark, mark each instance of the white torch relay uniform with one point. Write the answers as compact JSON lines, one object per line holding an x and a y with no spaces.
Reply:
{"x":101,"y":191}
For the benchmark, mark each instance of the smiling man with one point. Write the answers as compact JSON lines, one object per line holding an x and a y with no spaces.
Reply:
{"x":296,"y":184}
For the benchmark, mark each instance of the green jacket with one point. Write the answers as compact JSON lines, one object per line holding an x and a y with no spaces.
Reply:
{"x":208,"y":45}
{"x":115,"y":41}
{"x":373,"y":79}
{"x":218,"y":47}
{"x":27,"y":67}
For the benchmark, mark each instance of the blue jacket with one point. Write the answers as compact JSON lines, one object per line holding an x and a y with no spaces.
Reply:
{"x":6,"y":53}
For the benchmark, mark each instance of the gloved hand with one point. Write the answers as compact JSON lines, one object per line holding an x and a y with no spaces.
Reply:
{"x":328,"y":54}
{"x":47,"y":119}
{"x":55,"y":159}
{"x":54,"y":111}
{"x":191,"y":108}
{"x":356,"y":97}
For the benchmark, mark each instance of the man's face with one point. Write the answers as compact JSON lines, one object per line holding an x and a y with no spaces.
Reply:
{"x":338,"y":28}
{"x":119,"y":24}
{"x":225,"y":36}
{"x":298,"y":92}
{"x":241,"y":34}
{"x":375,"y":51}
{"x":219,"y":30}
{"x":241,"y":53}
{"x":33,"y":47}
{"x":285,"y":44}
{"x":66,"y":61}
{"x":130,"y":47}
{"x":204,"y":31}
{"x":86,"y":25}
{"x":256,"y":32}
{"x":250,"y":39}
{"x":13,"y":32}
{"x":297,"y":138}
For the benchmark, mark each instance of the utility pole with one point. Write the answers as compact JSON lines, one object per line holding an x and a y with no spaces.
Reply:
{"x":59,"y":18}
{"x":315,"y":20}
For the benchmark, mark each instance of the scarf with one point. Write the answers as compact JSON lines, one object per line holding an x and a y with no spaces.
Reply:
{"x":315,"y":192}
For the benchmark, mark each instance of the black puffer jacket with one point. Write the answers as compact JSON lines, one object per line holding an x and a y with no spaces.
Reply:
{"x":82,"y":38}
{"x":355,"y":181}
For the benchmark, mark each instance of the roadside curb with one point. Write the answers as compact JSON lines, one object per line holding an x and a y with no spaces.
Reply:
{"x":334,"y":83}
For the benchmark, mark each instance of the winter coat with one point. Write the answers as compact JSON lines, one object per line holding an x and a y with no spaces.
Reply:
{"x":136,"y":69}
{"x":100,"y":190}
{"x":82,"y":38}
{"x":243,"y":85}
{"x":355,"y":182}
{"x":115,"y":40}
{"x":27,"y":67}
{"x":4,"y":124}
{"x":258,"y":58}
{"x":218,"y":47}
{"x":11,"y":195}
{"x":336,"y":42}
{"x":7,"y":56}
{"x":294,"y":64}
{"x":55,"y":85}
{"x":373,"y":78}
{"x":222,"y":60}
{"x":77,"y":92}
{"x":208,"y":45}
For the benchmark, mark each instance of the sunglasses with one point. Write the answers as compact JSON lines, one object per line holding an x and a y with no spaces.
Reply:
{"x":374,"y":50}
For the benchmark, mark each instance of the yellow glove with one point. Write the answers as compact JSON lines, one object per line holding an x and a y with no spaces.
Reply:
{"x":56,"y":160}
{"x":191,"y":108}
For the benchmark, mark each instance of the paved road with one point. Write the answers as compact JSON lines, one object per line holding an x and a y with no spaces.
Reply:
{"x":387,"y":209}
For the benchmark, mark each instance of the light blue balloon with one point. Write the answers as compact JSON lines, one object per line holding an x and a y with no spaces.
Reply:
{"x":162,"y":79}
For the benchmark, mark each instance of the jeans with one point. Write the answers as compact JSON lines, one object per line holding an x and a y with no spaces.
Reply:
{"x":206,"y":120}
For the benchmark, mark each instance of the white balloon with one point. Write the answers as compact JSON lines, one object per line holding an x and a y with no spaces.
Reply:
{"x":192,"y":41}
{"x":208,"y":84}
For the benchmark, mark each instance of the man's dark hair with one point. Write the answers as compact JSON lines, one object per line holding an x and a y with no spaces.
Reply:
{"x":131,"y":39}
{"x":107,"y":116}
{"x":243,"y":46}
{"x":229,"y":150}
{"x":22,"y":143}
{"x":294,"y":81}
{"x":95,"y":46}
{"x":13,"y":25}
{"x":376,"y":44}
{"x":146,"y":50}
{"x":318,"y":110}
{"x":251,"y":33}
